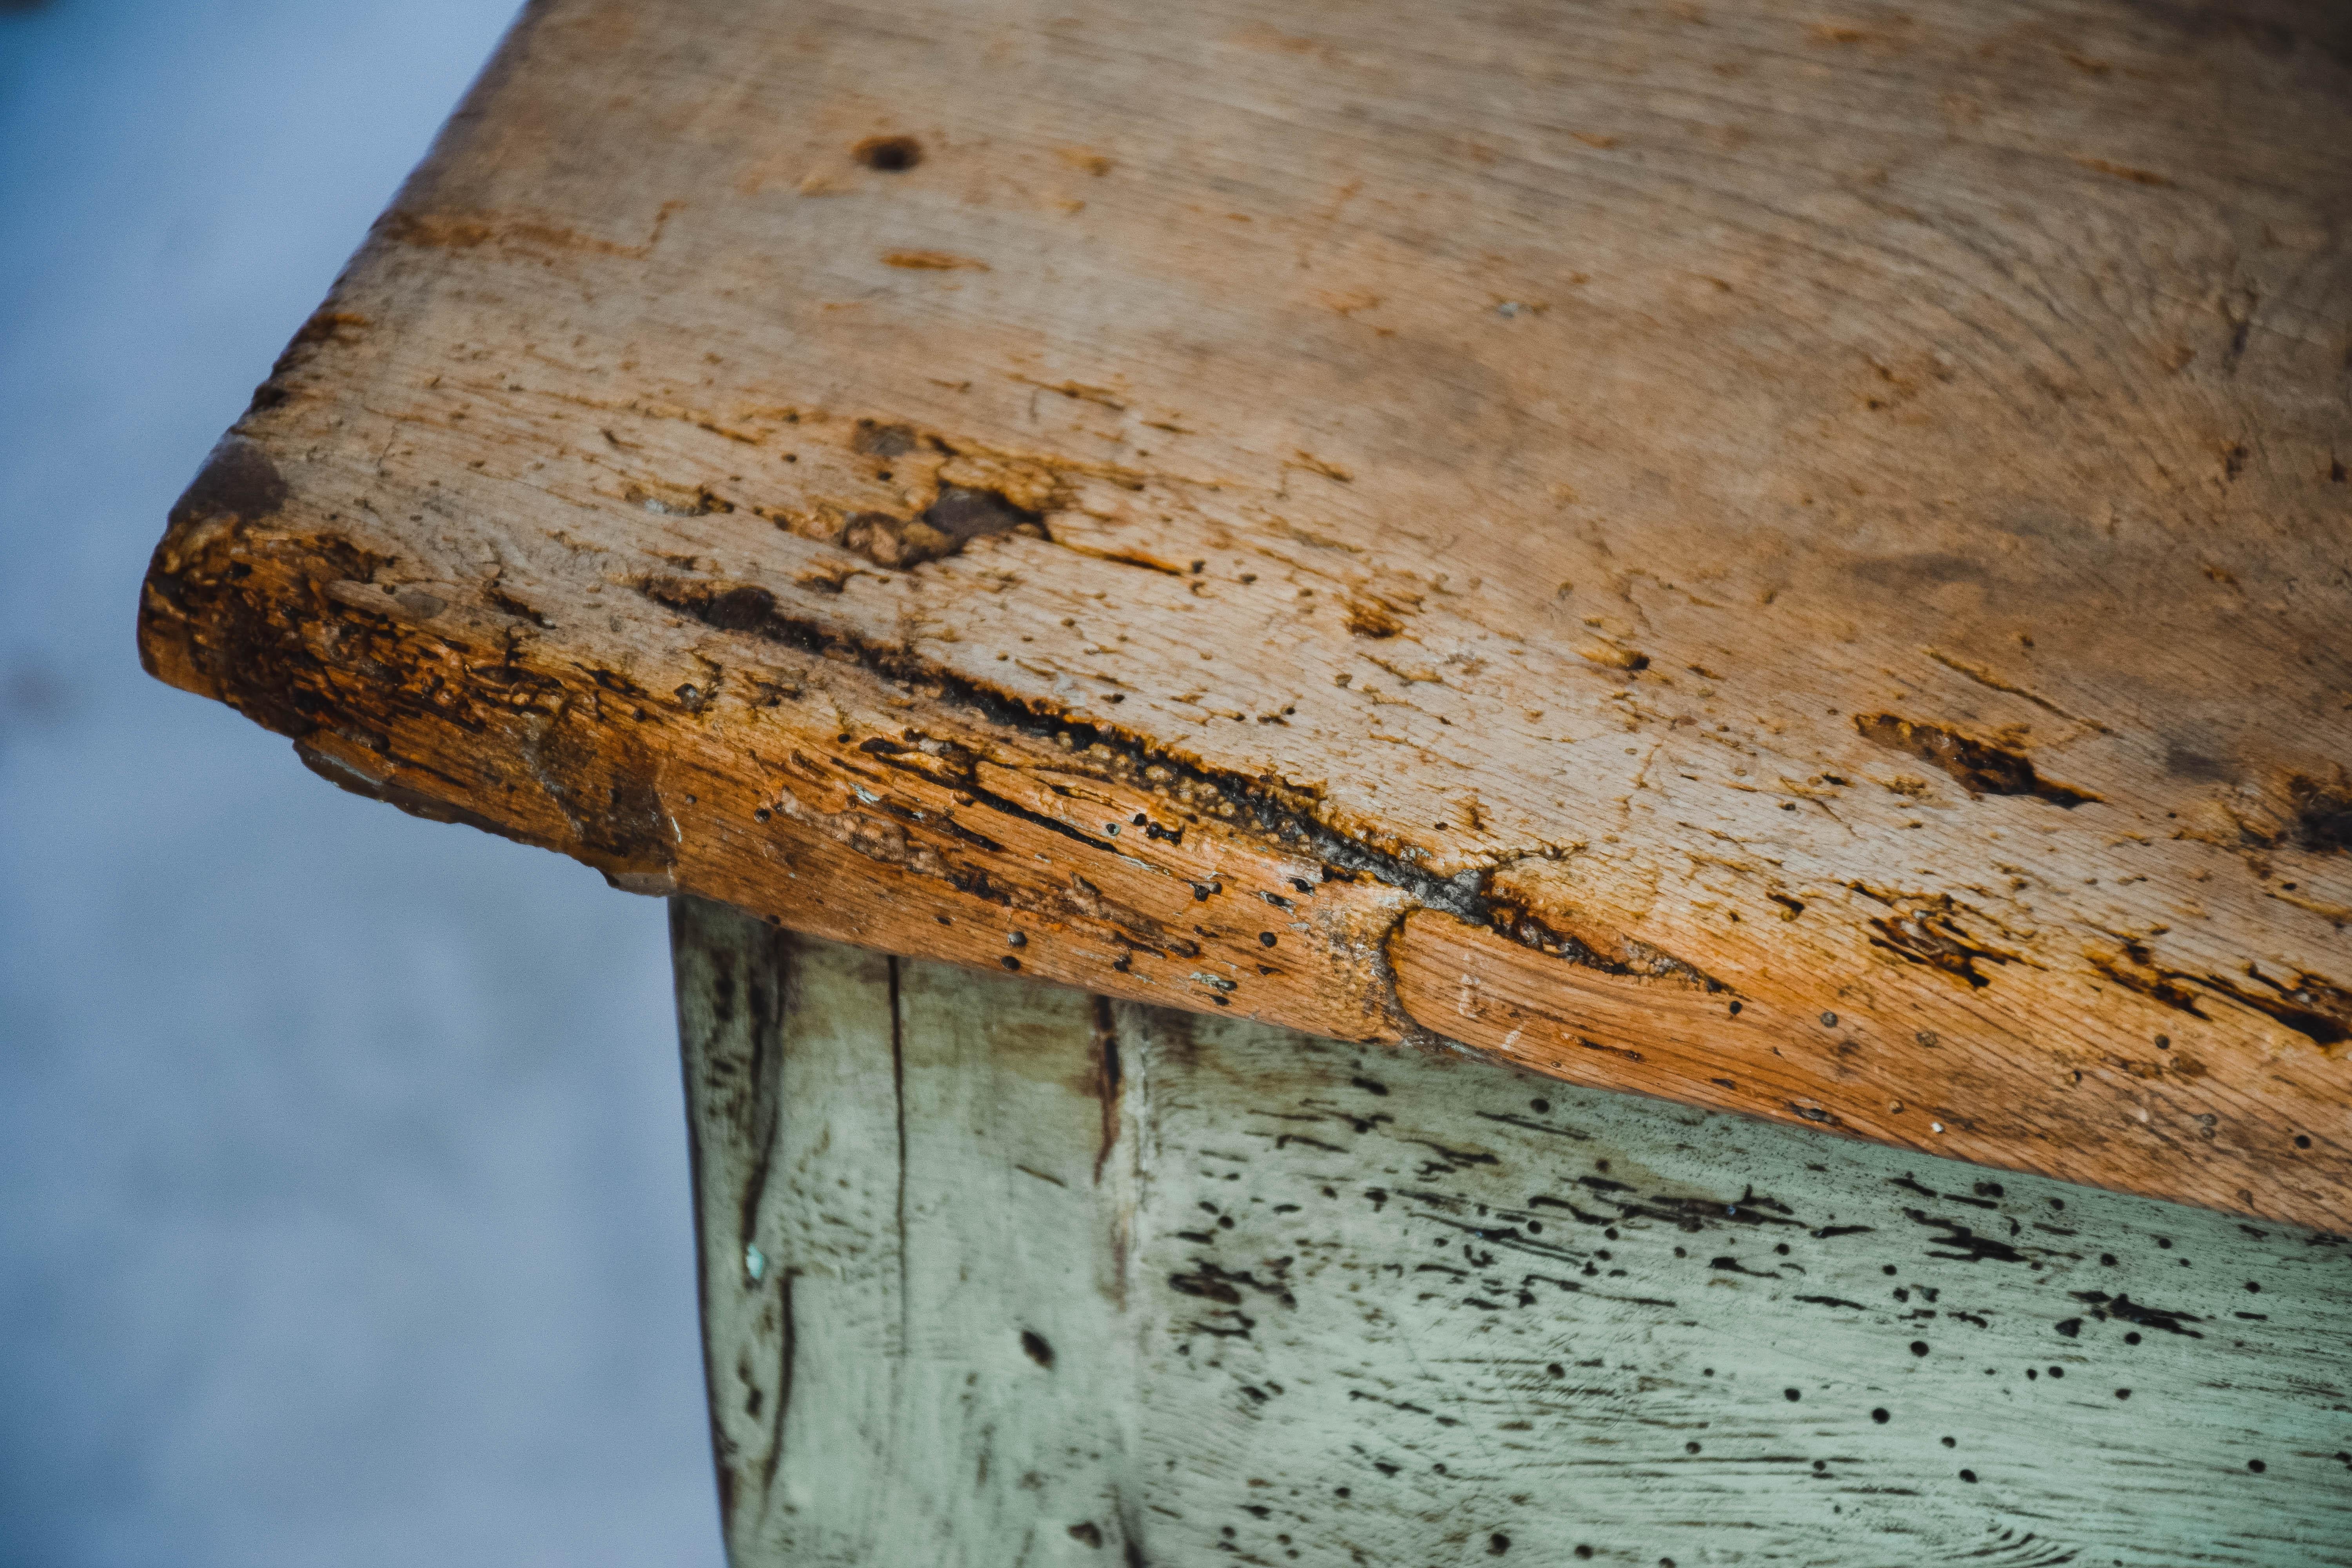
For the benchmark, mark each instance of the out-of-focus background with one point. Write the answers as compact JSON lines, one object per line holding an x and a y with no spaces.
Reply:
{"x":343,"y":1209}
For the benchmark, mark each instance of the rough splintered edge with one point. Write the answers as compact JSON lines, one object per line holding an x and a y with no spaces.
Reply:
{"x":240,"y":486}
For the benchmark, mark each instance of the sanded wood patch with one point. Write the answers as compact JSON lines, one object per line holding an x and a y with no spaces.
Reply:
{"x":996,"y":1272}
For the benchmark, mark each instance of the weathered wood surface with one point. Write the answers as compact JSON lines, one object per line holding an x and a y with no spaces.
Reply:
{"x":1076,"y":1283}
{"x":1793,"y":558}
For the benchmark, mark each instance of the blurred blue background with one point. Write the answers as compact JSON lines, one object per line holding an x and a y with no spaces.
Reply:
{"x":343,"y":1208}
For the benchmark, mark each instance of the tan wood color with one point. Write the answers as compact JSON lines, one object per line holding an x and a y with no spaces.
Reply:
{"x":1789,"y":556}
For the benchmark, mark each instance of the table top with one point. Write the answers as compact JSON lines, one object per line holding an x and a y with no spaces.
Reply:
{"x":1796,"y":563}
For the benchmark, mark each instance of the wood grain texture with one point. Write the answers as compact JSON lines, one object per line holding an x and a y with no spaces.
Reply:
{"x":1639,"y":512}
{"x":1091,"y":1284}
{"x":884,"y":1182}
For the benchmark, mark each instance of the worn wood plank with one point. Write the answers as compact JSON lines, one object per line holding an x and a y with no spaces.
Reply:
{"x":885,"y":1178}
{"x":1648,"y":509}
{"x":1289,"y":1299}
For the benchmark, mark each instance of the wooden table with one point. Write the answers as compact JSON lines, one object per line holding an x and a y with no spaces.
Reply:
{"x":1421,"y":565}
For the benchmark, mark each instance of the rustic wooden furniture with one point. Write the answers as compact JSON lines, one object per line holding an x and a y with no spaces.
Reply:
{"x":1792,"y":559}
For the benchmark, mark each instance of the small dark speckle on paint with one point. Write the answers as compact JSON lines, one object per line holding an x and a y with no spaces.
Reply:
{"x":2057,"y":1371}
{"x":1791,"y":1394}
{"x":1339,"y":1491}
{"x":1887,"y":1268}
{"x":2303,"y":1139}
{"x":1556,"y":1370}
{"x":1265,"y":939}
{"x":1538,"y":1105}
{"x":1949,"y":1443}
{"x":1690,"y":1448}
{"x":2107,"y":1258}
{"x":1584,"y":1553}
{"x":1919,"y":1347}
{"x":2123,"y":1393}
{"x":2132,"y":1338}
{"x":1829,"y":1020}
{"x":2252,"y":1286}
{"x":1016,"y":939}
{"x":1038,"y":1350}
{"x":1880,"y":1416}
{"x":1969,"y":1477}
{"x":1010,"y":963}
{"x":2256,"y":1466}
{"x":1497,"y":1543}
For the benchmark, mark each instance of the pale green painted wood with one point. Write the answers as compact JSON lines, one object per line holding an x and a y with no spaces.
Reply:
{"x":1043,"y":1282}
{"x":905,"y":1252}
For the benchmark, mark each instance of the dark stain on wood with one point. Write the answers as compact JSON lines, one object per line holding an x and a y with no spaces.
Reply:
{"x":1980,"y":767}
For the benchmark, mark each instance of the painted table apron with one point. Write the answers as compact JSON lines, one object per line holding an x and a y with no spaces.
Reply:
{"x":996,"y":1272}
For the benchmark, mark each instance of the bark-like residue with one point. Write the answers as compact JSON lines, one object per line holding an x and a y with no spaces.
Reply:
{"x":2323,"y":815}
{"x":1933,"y":939}
{"x":2310,"y":1004}
{"x":959,"y":516}
{"x":1634,"y":960}
{"x":1980,"y":767}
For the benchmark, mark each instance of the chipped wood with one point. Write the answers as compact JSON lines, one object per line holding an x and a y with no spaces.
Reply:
{"x":1625,"y":512}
